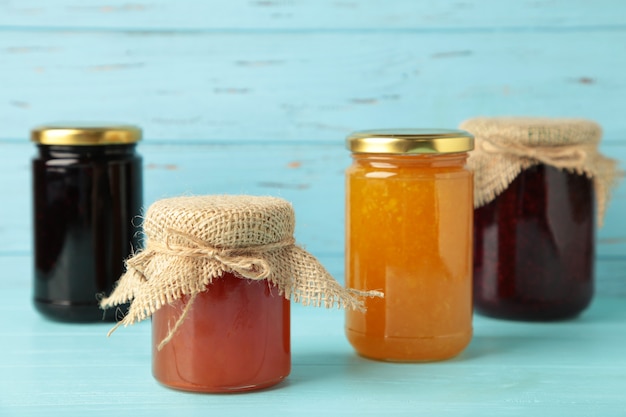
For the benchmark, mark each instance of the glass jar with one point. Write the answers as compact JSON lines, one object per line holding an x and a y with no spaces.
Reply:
{"x":216,"y":276}
{"x":87,"y":188}
{"x":534,"y":247}
{"x":408,"y":234}
{"x":243,"y":323}
{"x":537,"y":182}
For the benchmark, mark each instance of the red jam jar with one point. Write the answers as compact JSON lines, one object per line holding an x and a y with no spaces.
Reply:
{"x":235,"y":338}
{"x":216,"y":276}
{"x":534,"y":247}
{"x":534,"y":222}
{"x":87,"y":189}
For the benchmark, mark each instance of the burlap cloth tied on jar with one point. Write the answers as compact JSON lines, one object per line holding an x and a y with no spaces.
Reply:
{"x":505,"y":146}
{"x":190,"y":241}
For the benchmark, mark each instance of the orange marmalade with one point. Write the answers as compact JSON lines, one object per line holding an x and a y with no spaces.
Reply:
{"x":409,"y":205}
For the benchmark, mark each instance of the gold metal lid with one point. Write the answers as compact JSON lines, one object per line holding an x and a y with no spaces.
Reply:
{"x":76,"y":134}
{"x":410,"y":141}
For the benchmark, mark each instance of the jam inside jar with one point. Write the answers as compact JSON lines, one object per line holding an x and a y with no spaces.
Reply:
{"x":85,"y":198}
{"x":533,"y":247}
{"x":216,"y":275}
{"x":408,"y":234}
{"x":235,"y":337}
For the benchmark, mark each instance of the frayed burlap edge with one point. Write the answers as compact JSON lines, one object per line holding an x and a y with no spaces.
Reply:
{"x":493,"y":173}
{"x":504,"y":147}
{"x":164,"y":273}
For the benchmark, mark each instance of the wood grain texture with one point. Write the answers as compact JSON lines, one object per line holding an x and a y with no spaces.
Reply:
{"x":576,"y":367}
{"x":256,"y":97}
{"x":266,"y":86}
{"x":310,"y":176}
{"x":310,"y":14}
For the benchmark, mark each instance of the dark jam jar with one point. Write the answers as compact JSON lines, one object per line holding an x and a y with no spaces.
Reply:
{"x":539,"y":183}
{"x":87,"y":190}
{"x":533,"y":247}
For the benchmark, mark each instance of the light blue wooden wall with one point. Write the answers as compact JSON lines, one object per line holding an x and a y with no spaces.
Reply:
{"x":257,"y":96}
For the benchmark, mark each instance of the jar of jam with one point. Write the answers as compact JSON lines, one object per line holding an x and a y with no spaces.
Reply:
{"x":408,"y":234}
{"x":536,"y":180}
{"x":235,"y":338}
{"x":216,"y":276}
{"x":87,"y":189}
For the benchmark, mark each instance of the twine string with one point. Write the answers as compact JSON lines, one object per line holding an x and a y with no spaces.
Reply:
{"x":562,"y":156}
{"x":179,"y":322}
{"x":180,"y":258}
{"x":247,"y":262}
{"x":491,"y":178}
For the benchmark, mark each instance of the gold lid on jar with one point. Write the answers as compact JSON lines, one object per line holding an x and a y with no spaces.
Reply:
{"x":410,"y":141}
{"x":75,"y":134}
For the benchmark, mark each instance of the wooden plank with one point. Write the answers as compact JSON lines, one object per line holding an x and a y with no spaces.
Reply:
{"x":309,"y":14}
{"x":575,"y":368}
{"x":256,"y":96}
{"x":612,"y":236}
{"x":306,"y":87}
{"x":611,"y":276}
{"x":310,"y":176}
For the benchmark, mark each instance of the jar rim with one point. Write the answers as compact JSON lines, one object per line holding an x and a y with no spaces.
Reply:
{"x":85,"y":134}
{"x":410,"y":141}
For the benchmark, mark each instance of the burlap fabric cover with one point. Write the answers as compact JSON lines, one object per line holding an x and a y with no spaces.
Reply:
{"x":504,"y":146}
{"x":190,"y":241}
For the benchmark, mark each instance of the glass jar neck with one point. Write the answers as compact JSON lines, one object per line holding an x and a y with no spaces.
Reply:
{"x":425,"y":160}
{"x":101,"y":151}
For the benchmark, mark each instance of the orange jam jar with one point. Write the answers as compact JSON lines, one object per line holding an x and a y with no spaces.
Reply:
{"x":409,"y":207}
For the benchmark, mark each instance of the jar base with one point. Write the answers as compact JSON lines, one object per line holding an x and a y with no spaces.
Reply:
{"x":401,"y":349}
{"x":529,"y":314}
{"x":190,"y":387}
{"x":67,"y":312}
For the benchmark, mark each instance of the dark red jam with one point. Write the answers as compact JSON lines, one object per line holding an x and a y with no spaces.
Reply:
{"x":85,"y":200}
{"x":534,"y":247}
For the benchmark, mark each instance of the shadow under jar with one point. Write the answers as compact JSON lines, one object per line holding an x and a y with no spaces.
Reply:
{"x":534,"y":247}
{"x":87,"y":188}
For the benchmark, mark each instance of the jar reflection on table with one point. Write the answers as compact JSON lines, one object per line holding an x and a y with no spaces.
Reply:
{"x":408,"y":234}
{"x":87,"y":189}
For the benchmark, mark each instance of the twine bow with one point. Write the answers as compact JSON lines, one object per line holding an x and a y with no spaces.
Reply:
{"x":246,"y":262}
{"x":496,"y":165}
{"x":505,"y":146}
{"x":154,"y":276}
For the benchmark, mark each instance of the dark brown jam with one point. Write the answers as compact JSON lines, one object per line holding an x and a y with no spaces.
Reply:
{"x":85,"y":201}
{"x":534,"y":247}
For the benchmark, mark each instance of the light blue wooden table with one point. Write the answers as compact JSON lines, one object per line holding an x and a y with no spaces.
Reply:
{"x":256,"y":97}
